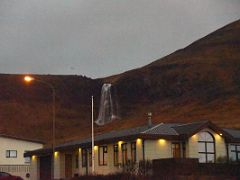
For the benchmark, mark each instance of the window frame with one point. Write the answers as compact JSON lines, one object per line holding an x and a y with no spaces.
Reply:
{"x":206,"y":152}
{"x":115,"y":155}
{"x":235,"y":151}
{"x":134,"y":152}
{"x":124,"y":153}
{"x":8,"y":154}
{"x":76,"y":160}
{"x":84,"y":157}
{"x":103,"y":155}
{"x":90,"y":157}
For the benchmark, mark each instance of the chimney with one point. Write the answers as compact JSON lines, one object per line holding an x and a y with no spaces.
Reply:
{"x":149,"y":119}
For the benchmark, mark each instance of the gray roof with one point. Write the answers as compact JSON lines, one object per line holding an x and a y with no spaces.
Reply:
{"x":235,"y":133}
{"x":189,"y":128}
{"x":106,"y":136}
{"x":163,"y":129}
{"x":174,"y":130}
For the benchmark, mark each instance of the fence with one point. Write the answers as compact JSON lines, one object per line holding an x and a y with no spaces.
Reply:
{"x":17,"y":170}
{"x":169,"y":168}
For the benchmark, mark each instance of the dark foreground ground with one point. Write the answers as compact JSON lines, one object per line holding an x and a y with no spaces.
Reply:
{"x":168,"y":177}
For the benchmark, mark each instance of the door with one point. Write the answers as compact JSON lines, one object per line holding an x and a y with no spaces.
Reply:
{"x":45,"y":168}
{"x":68,"y":165}
{"x":176,"y":151}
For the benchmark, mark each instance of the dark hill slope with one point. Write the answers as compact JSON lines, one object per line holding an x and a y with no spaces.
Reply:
{"x":201,"y":81}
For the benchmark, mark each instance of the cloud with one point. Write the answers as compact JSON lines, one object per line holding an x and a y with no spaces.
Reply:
{"x":99,"y":38}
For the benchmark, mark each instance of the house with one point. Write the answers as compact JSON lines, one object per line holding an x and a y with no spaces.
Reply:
{"x":12,"y":151}
{"x":113,"y":150}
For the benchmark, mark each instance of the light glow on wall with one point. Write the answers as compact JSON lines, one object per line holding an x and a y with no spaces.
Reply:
{"x":95,"y":148}
{"x":34,"y":158}
{"x":55,"y":154}
{"x":120,"y":143}
{"x":162,"y":141}
{"x":194,"y":137}
{"x":139,"y":141}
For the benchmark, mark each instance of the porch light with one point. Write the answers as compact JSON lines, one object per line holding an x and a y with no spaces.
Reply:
{"x":95,"y":148}
{"x":220,"y":134}
{"x":139,"y":141}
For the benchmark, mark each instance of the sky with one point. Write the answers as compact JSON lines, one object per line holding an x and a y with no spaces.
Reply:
{"x":98,"y":38}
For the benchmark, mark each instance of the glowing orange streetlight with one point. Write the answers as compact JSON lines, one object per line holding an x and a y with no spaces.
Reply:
{"x":28,"y":79}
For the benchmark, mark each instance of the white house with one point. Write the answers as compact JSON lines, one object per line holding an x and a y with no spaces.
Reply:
{"x":12,"y":151}
{"x":113,"y":150}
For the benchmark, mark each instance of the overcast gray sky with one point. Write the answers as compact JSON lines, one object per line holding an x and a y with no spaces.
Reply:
{"x":98,"y":38}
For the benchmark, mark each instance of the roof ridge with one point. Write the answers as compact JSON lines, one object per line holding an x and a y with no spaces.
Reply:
{"x":152,"y":128}
{"x":191,"y":123}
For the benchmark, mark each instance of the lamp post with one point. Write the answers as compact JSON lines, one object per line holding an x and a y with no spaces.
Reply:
{"x":29,"y":79}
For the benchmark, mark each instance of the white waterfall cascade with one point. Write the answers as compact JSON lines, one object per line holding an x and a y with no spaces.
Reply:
{"x":108,"y":106}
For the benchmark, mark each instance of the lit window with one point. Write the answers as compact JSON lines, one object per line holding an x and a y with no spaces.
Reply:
{"x":206,"y":147}
{"x":11,"y":153}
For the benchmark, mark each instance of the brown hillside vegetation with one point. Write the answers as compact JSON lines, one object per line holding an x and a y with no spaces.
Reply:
{"x":201,"y":81}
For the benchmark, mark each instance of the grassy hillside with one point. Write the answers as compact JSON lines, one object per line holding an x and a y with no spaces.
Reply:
{"x":201,"y":81}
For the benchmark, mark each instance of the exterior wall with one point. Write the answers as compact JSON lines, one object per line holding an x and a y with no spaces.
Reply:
{"x":156,"y":149}
{"x":139,"y":147}
{"x":192,"y":147}
{"x":14,"y":144}
{"x":17,"y":166}
{"x":109,"y":168}
{"x":35,"y":168}
{"x":59,"y":165}
{"x":220,"y":145}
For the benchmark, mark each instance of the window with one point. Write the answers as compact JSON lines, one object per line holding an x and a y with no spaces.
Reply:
{"x":76,"y":160}
{"x":102,"y":156}
{"x":84,"y":157}
{"x":115,"y":155}
{"x":235,"y":152}
{"x":90,"y":157}
{"x":11,"y":154}
{"x":206,"y":147}
{"x":133,"y":152}
{"x":124,"y":154}
{"x":27,"y":159}
{"x":176,"y":150}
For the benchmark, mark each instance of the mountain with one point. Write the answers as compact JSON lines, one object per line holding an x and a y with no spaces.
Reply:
{"x":198,"y":82}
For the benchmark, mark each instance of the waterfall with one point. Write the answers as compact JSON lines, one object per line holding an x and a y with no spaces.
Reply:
{"x":108,"y":109}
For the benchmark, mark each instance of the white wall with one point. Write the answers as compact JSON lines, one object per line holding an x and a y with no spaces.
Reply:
{"x":14,"y":144}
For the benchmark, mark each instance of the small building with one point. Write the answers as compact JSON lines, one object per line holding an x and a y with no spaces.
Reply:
{"x":114,"y":150}
{"x":12,"y":151}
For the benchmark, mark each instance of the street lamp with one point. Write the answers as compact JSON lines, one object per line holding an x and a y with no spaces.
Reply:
{"x":29,"y":79}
